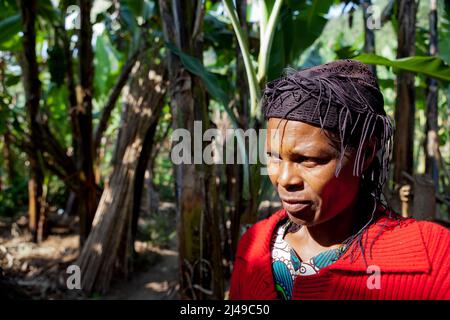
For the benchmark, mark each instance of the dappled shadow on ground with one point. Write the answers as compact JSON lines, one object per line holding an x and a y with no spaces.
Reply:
{"x":39,"y":271}
{"x":159,"y":282}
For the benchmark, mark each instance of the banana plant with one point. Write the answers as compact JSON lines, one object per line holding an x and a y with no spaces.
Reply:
{"x":430,"y":66}
{"x":255,"y":79}
{"x":293,"y":26}
{"x":282,"y":23}
{"x":255,"y":76}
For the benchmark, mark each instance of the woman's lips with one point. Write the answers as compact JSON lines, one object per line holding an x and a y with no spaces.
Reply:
{"x":295,"y":206}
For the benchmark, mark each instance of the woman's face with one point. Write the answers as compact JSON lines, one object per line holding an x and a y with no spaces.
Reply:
{"x":302,"y":161}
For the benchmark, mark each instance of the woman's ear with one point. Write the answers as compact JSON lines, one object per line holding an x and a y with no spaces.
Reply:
{"x":370,"y":152}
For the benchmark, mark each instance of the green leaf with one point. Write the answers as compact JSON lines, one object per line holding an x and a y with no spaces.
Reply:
{"x":430,"y":66}
{"x":444,"y":31}
{"x":217,"y":34}
{"x":12,"y":80}
{"x":127,"y":15}
{"x":46,"y":10}
{"x":149,"y":10}
{"x":422,"y":40}
{"x":9,"y":27}
{"x":386,"y":83}
{"x":318,"y":8}
{"x":310,"y":22}
{"x":300,"y":24}
{"x":107,"y":66}
{"x":136,"y":6}
{"x":295,"y":4}
{"x":209,"y":79}
{"x":14,"y":44}
{"x":346,"y":52}
{"x":102,"y":66}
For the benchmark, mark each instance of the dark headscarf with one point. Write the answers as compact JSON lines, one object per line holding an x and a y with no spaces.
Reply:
{"x":343,"y":97}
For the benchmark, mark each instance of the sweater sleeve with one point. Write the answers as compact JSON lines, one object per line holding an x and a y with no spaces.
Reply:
{"x":437,"y":241}
{"x":239,"y":276}
{"x":239,"y":268}
{"x":236,"y":276}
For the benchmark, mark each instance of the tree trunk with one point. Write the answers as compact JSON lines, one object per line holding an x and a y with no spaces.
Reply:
{"x":149,"y":201}
{"x":32,"y":87}
{"x":72,"y":202}
{"x":405,"y":95}
{"x":201,"y":274}
{"x":424,"y":198}
{"x":112,"y":224}
{"x":9,"y":157}
{"x":85,"y":164}
{"x":75,"y":103}
{"x":369,"y":34}
{"x":143,"y":164}
{"x":431,"y":127}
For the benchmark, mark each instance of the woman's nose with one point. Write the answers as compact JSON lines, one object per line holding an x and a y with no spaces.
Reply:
{"x":289,"y":177}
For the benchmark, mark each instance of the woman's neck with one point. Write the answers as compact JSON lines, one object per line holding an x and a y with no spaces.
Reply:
{"x":312,"y":240}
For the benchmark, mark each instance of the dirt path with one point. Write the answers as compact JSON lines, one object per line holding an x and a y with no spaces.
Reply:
{"x":158,"y":282}
{"x":39,"y":270}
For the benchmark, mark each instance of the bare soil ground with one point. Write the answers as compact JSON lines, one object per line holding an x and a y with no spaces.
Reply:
{"x":39,"y":271}
{"x":159,"y":282}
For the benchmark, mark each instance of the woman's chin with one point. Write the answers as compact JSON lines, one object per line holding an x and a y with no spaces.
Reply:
{"x":303,"y":217}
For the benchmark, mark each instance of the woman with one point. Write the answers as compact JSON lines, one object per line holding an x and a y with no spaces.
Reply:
{"x":328,"y":145}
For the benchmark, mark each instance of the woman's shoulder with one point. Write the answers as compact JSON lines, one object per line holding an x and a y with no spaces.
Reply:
{"x":428,"y":240}
{"x":435,"y":236}
{"x":430,"y":227}
{"x":436,"y":240}
{"x":430,"y":231}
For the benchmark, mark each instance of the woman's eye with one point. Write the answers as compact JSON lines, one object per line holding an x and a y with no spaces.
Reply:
{"x":273,"y":158}
{"x":313,"y":161}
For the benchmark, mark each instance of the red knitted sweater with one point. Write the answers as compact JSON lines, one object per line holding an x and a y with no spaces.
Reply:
{"x":412,"y":257}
